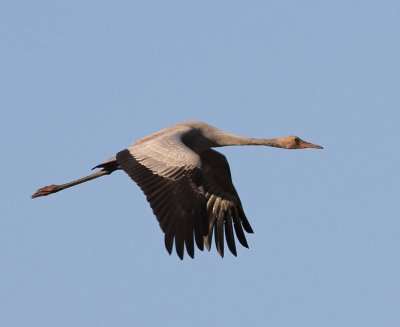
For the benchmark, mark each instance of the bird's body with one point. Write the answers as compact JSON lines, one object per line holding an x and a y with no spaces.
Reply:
{"x":187,"y":183}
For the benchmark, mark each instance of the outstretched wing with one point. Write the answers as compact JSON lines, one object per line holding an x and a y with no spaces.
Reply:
{"x":169,"y":174}
{"x":224,"y":208}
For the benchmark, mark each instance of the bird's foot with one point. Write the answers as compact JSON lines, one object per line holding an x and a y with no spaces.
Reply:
{"x":46,"y":190}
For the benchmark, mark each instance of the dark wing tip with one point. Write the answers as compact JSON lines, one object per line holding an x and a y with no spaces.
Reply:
{"x":219,"y":236}
{"x":169,"y":242}
{"x":230,"y":238}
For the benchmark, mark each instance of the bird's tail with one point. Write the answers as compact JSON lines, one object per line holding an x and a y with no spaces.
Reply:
{"x":109,"y":165}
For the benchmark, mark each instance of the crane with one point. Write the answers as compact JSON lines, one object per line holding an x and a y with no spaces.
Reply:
{"x":187,"y":183}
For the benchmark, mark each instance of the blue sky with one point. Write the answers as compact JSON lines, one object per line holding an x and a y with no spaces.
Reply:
{"x":81,"y":80}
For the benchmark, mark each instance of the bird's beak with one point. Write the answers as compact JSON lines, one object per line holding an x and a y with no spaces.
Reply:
{"x":305,"y":144}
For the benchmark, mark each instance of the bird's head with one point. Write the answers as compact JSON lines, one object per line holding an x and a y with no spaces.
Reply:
{"x":295,"y":142}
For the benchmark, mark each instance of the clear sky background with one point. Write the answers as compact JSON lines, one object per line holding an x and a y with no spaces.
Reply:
{"x":81,"y":80}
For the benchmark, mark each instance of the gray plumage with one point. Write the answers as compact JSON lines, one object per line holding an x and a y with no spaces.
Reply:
{"x":188,"y":184}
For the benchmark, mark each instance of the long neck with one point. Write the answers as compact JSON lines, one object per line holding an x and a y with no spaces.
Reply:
{"x":227,"y":139}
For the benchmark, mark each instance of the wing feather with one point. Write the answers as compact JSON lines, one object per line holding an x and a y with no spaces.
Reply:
{"x":223,"y":204}
{"x":230,"y":238}
{"x":189,"y":242}
{"x":219,"y":232}
{"x":169,"y":174}
{"x":191,"y":195}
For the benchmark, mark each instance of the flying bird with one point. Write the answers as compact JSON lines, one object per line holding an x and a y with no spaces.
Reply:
{"x":187,"y":183}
